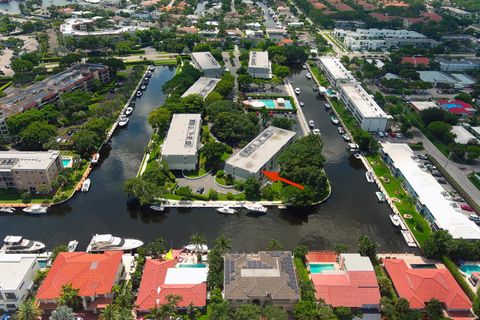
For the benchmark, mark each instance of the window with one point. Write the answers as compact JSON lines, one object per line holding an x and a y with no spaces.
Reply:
{"x":11,"y":306}
{"x":21,"y":286}
{"x":10,"y":296}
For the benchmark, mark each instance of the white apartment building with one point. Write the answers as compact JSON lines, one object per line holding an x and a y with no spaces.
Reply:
{"x":260,"y":154}
{"x":183,"y":141}
{"x":203,"y":87}
{"x":259,"y":66}
{"x":78,"y":27}
{"x":205,"y":62}
{"x":335,"y":71}
{"x":16,"y":279}
{"x":365,"y":110}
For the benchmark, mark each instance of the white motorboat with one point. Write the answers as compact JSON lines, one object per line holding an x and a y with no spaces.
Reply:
{"x":304,"y":66}
{"x":107,"y":242}
{"x":128,"y":111}
{"x":72,"y":245}
{"x":311,"y":123}
{"x":227,"y":210}
{"x":86,"y":185}
{"x":334,"y":120}
{"x":297,"y":90}
{"x":327,"y":106}
{"x":302,"y":103}
{"x":151,"y":68}
{"x":308,"y":75}
{"x":370,"y":177}
{"x":316,"y":131}
{"x":255,"y":207}
{"x":197,"y":248}
{"x":346,"y":137}
{"x":341,"y":130}
{"x":143,"y":87}
{"x":35,"y":209}
{"x":139,"y":93}
{"x":17,"y":244}
{"x":395,"y":220}
{"x":380,"y":196}
{"x":95,"y":158}
{"x":157,"y":207}
{"x":357,"y":155}
{"x":315,"y":88}
{"x":7,"y":209}
{"x":123,"y":122}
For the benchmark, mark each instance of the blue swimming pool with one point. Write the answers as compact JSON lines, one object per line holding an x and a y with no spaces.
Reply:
{"x":66,"y":162}
{"x":469,"y":268}
{"x":42,"y":263}
{"x":270,"y":104}
{"x":320,"y":267}
{"x":192,"y":265}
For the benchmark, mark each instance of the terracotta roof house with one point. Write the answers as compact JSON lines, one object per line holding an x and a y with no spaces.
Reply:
{"x":353,"y":284}
{"x":420,"y":285}
{"x":381,"y":17}
{"x":285,"y":42}
{"x":266,"y":277}
{"x":431,"y":16}
{"x":92,"y":274}
{"x":189,"y":30}
{"x":163,"y":278}
{"x":321,"y":256}
{"x":416,"y":61}
{"x":319,"y":5}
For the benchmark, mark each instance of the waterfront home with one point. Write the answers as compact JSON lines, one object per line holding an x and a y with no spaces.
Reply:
{"x":94,"y":275}
{"x":169,"y":277}
{"x":266,"y":277}
{"x":16,"y":278}
{"x":419,"y":281}
{"x":351,"y":282}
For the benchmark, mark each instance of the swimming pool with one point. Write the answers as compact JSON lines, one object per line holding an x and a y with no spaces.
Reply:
{"x":66,"y":162}
{"x":320,"y":267}
{"x":192,"y":265}
{"x":469,"y":268}
{"x":270,"y":104}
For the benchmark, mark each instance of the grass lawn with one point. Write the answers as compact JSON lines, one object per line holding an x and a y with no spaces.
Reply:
{"x":195,"y":173}
{"x":167,"y":62}
{"x":473,"y":180}
{"x":319,"y":76}
{"x":12,"y":196}
{"x":419,"y":226}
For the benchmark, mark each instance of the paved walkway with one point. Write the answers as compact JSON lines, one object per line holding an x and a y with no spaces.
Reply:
{"x":207,"y":182}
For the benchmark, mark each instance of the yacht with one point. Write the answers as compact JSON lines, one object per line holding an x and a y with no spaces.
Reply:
{"x":346,"y":137}
{"x":139,"y":93}
{"x":308,"y":75}
{"x":107,"y":242}
{"x":311,"y":123}
{"x":341,"y":130}
{"x":7,"y":209}
{"x":297,"y":90}
{"x":380,"y":196}
{"x":227,"y":210}
{"x":395,"y":220}
{"x":72,"y":245}
{"x":128,"y":111}
{"x":255,"y":207}
{"x":369,"y":176}
{"x":334,"y":120}
{"x":157,"y":207}
{"x":36,"y":209}
{"x":123,"y":121}
{"x":197,"y":248}
{"x":86,"y":185}
{"x":17,"y":244}
{"x":95,"y":158}
{"x":302,"y":103}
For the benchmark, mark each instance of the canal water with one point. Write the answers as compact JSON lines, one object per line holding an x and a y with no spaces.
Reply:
{"x":350,"y":212}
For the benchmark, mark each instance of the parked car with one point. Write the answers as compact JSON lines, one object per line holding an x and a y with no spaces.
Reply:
{"x":435,"y":173}
{"x":474,"y":217}
{"x":381,"y":134}
{"x":392,"y":134}
{"x":466,"y":207}
{"x":200,"y":190}
{"x":442,"y":181}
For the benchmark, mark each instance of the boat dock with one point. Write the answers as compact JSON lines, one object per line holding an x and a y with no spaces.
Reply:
{"x":168,"y":203}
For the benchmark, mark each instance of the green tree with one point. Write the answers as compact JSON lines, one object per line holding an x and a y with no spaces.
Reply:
{"x":222,"y":244}
{"x":282,"y":122}
{"x":28,"y":310}
{"x":70,"y":59}
{"x":306,"y":310}
{"x":251,"y":186}
{"x":274,"y":245}
{"x":40,"y":275}
{"x":21,"y":66}
{"x":57,"y":250}
{"x":213,"y":152}
{"x":62,"y":313}
{"x":367,"y":247}
{"x":438,"y":244}
{"x":155,"y":248}
{"x":247,"y":312}
{"x":385,"y":285}
{"x":273,"y":312}
{"x":36,"y":135}
{"x":26,"y":197}
{"x":69,"y":296}
{"x":159,"y":119}
{"x":198,"y":240}
{"x":109,"y":313}
{"x":300,"y":252}
{"x":281,"y":71}
{"x":434,"y":310}
{"x":340,"y":248}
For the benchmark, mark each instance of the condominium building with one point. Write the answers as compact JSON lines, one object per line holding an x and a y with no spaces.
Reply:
{"x":458,"y":65}
{"x":16,"y":279}
{"x":259,"y":66}
{"x":260,"y":154}
{"x":203,"y":87}
{"x":365,"y":110}
{"x":335,"y":71}
{"x":79,"y":27}
{"x":183,"y":141}
{"x":205,"y":62}
{"x":29,"y":170}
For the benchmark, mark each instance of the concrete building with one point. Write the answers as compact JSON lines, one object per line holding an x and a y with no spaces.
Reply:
{"x":456,"y":12}
{"x":205,"y":62}
{"x":259,"y":66}
{"x":462,"y":135}
{"x":431,"y":200}
{"x":16,"y":279}
{"x":29,"y":170}
{"x":419,"y":106}
{"x":260,"y":154}
{"x":458,"y":65}
{"x":79,"y":27}
{"x":335,"y":71}
{"x":365,"y":110}
{"x":183,"y":141}
{"x":266,"y":277}
{"x":203,"y":87}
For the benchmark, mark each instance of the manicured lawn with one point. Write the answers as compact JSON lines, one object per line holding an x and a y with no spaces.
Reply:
{"x":319,"y":76}
{"x":195,"y":173}
{"x":10,"y":196}
{"x":473,"y":180}
{"x":167,"y":62}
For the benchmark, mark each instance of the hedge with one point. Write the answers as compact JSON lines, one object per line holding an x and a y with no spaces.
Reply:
{"x":452,"y":267}
{"x":6,"y":85}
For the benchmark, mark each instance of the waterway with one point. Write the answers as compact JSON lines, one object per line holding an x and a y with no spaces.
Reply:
{"x":350,"y":212}
{"x":12,"y":5}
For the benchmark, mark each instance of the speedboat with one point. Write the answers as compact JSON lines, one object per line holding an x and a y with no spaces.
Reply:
{"x":36,"y":209}
{"x":357,"y":155}
{"x":7,"y":209}
{"x":227,"y":210}
{"x":346,"y":137}
{"x":302,"y":103}
{"x":197,"y":248}
{"x":143,"y":87}
{"x":304,"y":66}
{"x":327,"y":106}
{"x":128,"y":111}
{"x":308,"y":75}
{"x":316,"y":131}
{"x":17,"y":244}
{"x":151,"y":68}
{"x":157,"y":207}
{"x":380,"y":196}
{"x":255,"y":207}
{"x":72,"y":245}
{"x":311,"y":123}
{"x":139,"y":93}
{"x":123,"y":121}
{"x":334,"y":120}
{"x":107,"y":242}
{"x":340,"y":130}
{"x":314,"y":87}
{"x":370,"y":177}
{"x":395,"y":220}
{"x":86,"y":185}
{"x":95,"y":158}
{"x":297,"y":90}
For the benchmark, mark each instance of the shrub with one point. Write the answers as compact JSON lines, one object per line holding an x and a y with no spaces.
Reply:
{"x":459,"y":277}
{"x":220,"y":174}
{"x":230,"y":196}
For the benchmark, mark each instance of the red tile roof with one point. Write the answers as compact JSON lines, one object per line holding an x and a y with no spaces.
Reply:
{"x":382,"y":17}
{"x":416,"y":60}
{"x":92,"y":274}
{"x":285,"y":42}
{"x":153,"y":290}
{"x":432,"y":16}
{"x":352,"y":289}
{"x":419,"y":286}
{"x":321,"y":256}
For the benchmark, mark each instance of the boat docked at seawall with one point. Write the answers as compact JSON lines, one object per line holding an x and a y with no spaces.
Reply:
{"x":95,"y":158}
{"x":72,"y":246}
{"x":334,"y":120}
{"x":7,"y":209}
{"x":197,"y":248}
{"x":395,"y":220}
{"x":36,"y":210}
{"x":370,"y":177}
{"x":128,"y":111}
{"x":255,"y":207}
{"x":86,"y":185}
{"x":380,"y":196}
{"x":123,"y":121}
{"x":227,"y":210}
{"x":107,"y":242}
{"x":157,"y":207}
{"x":308,"y":75}
{"x":18,"y":244}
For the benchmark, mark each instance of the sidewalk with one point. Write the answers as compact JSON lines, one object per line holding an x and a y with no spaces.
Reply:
{"x":300,"y":115}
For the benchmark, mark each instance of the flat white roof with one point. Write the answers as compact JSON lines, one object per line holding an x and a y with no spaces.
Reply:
{"x":186,"y":275}
{"x":476,"y":129}
{"x":356,"y":262}
{"x":203,"y":86}
{"x":205,"y":60}
{"x":424,"y":105}
{"x":462,"y":135}
{"x":260,"y":150}
{"x":429,"y":193}
{"x":258,"y":59}
{"x":362,"y":101}
{"x":13,"y":268}
{"x":70,"y":28}
{"x":336,"y":68}
{"x":27,"y":160}
{"x":182,"y":137}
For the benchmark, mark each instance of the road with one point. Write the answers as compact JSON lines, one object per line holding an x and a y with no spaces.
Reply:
{"x":233,"y":67}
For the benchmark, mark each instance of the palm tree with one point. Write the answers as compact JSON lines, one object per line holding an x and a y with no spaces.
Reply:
{"x":28,"y":310}
{"x":274,"y":245}
{"x":62,"y":313}
{"x":198,"y":240}
{"x":109,"y":313}
{"x":222,"y":244}
{"x":125,"y":314}
{"x":69,"y":296}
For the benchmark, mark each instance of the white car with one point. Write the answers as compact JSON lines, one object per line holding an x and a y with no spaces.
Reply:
{"x":316,"y":131}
